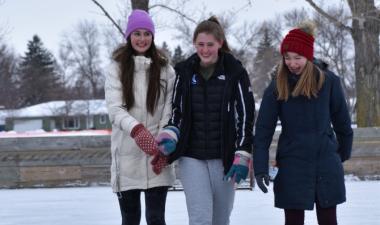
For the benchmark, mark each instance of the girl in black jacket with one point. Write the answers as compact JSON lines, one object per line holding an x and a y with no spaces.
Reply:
{"x":310,"y":152}
{"x":212,"y":120}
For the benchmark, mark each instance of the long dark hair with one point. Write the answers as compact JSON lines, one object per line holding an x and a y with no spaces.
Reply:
{"x":212,"y":26}
{"x":123,"y":55}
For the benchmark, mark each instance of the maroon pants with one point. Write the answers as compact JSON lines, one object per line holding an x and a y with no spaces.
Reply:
{"x":325,"y":216}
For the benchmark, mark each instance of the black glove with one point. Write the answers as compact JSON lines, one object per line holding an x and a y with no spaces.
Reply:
{"x":343,"y":157}
{"x":260,"y":180}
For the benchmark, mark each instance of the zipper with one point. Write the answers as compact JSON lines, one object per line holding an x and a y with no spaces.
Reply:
{"x":146,"y":155}
{"x":205,"y":113}
{"x":117,"y":178}
{"x":187,"y":126}
{"x":224,"y":114}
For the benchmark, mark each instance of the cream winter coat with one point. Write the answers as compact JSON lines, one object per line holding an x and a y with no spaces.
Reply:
{"x":130,"y":167}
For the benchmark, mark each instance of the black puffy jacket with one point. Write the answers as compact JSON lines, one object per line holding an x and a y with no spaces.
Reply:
{"x":236,"y":117}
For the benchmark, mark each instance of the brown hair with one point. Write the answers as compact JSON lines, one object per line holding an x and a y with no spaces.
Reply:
{"x":124,"y":56}
{"x":213,"y":27}
{"x":310,"y":82}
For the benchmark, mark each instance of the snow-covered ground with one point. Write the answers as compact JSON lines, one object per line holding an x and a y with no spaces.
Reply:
{"x":98,"y":206}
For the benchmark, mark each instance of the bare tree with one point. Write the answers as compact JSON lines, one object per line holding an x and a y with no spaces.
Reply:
{"x":3,"y":27}
{"x":113,"y":39}
{"x":365,"y":31}
{"x":117,"y":25}
{"x":80,"y":55}
{"x":295,"y":17}
{"x":144,"y":5}
{"x":335,"y":46}
{"x":9,"y":97}
{"x":140,"y":4}
{"x":177,"y":7}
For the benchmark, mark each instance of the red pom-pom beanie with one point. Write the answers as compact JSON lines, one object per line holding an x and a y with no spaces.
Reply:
{"x":299,"y":42}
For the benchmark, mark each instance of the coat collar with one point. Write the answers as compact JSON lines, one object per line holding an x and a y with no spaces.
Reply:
{"x":193,"y":62}
{"x":227,"y":65}
{"x":142,"y":62}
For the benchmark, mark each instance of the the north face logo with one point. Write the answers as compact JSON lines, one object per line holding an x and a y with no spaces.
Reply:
{"x":194,"y":80}
{"x":222,"y":77}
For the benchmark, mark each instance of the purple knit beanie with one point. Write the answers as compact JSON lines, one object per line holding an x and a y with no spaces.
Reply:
{"x":139,"y":19}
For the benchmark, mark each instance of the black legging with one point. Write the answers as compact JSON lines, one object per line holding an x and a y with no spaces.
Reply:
{"x":325,"y":216}
{"x":130,"y":206}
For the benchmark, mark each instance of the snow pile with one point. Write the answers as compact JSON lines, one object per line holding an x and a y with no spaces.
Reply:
{"x":67,"y":108}
{"x":42,"y":133}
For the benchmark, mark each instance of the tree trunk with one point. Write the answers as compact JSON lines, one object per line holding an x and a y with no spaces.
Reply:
{"x":365,"y":33}
{"x":140,"y":4}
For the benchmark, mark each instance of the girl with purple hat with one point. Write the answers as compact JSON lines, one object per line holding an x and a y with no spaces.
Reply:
{"x":138,"y":93}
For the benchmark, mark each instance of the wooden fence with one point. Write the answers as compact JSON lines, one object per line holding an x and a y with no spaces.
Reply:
{"x":85,"y":160}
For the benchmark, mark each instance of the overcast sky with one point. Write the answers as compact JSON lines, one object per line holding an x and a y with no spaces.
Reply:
{"x":50,"y":18}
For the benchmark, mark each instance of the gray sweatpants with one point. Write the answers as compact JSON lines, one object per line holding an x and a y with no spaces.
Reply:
{"x":209,"y":199}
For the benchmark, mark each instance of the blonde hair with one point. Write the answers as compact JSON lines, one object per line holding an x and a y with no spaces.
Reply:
{"x":310,"y":82}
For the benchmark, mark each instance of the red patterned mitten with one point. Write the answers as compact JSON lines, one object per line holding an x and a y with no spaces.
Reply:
{"x":144,"y":139}
{"x":159,"y":162}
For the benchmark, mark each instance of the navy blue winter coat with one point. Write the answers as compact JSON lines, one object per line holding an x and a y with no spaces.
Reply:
{"x":309,"y":152}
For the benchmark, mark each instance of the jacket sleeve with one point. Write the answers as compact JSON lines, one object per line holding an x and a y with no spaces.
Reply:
{"x":340,"y":119}
{"x":177,"y":101}
{"x":245,"y":110}
{"x":118,"y":115}
{"x":265,"y":127}
{"x":166,"y":114}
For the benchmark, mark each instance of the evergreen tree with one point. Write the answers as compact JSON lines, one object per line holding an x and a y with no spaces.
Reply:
{"x":266,"y":58}
{"x":38,"y":77}
{"x":178,"y":55}
{"x":165,"y":49}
